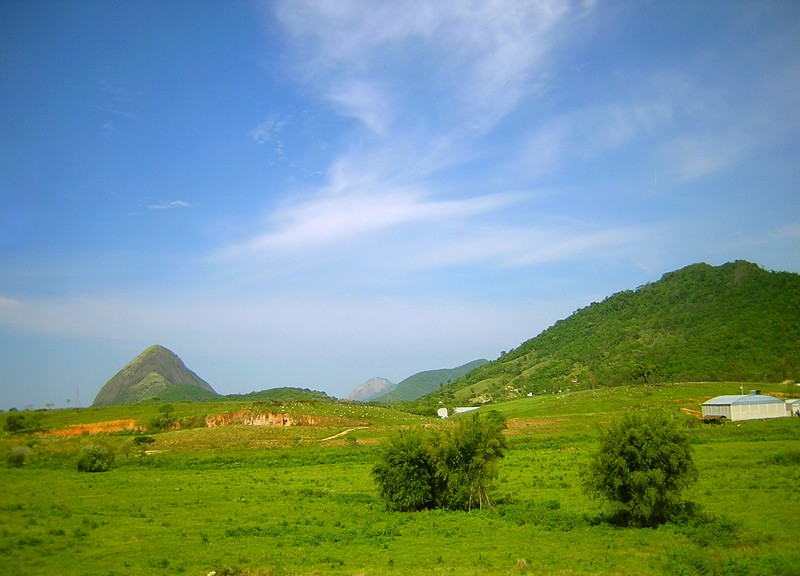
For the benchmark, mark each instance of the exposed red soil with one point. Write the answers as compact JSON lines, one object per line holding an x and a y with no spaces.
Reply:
{"x":97,"y":428}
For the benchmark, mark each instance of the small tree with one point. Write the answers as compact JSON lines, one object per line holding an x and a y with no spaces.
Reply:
{"x":18,"y":422}
{"x":643,"y":464}
{"x":143,"y":443}
{"x":406,"y":472}
{"x":95,"y":459}
{"x":467,"y":460}
{"x":454,"y":468}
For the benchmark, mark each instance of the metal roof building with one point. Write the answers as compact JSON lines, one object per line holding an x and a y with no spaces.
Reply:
{"x":751,"y":406}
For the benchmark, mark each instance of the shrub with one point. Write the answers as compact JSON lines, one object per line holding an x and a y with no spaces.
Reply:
{"x":22,"y":422}
{"x":162,"y":423}
{"x":643,"y":464}
{"x":95,"y":459}
{"x":16,"y":456}
{"x":406,"y":471}
{"x":450,"y":469}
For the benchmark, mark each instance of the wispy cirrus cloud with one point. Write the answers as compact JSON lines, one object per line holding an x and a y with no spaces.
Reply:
{"x":169,"y":205}
{"x":268,"y":130}
{"x":476,"y":59}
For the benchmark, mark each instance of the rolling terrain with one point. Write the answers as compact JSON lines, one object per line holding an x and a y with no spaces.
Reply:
{"x":294,"y":495}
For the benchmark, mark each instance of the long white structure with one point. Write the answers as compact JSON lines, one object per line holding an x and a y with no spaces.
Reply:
{"x":751,"y":406}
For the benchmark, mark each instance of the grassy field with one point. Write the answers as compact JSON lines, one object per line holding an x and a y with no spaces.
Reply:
{"x":299,"y":500}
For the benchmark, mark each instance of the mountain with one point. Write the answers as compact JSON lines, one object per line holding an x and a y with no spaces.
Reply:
{"x":736,"y":322}
{"x":423,"y":383}
{"x":370,"y":389}
{"x":155,"y":373}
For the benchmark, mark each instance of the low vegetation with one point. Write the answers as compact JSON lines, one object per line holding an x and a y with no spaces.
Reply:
{"x":302,"y":500}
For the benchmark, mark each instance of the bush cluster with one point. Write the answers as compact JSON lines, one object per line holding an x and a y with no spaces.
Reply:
{"x":95,"y":459}
{"x":17,"y":422}
{"x":449,"y":468}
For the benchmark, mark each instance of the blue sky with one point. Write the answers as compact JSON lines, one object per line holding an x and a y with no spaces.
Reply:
{"x":315,"y":193}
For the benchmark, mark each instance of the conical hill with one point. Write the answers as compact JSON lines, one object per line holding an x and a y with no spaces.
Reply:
{"x":155,"y":373}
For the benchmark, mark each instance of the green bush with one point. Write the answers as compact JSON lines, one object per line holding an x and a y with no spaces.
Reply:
{"x":406,"y":471}
{"x":95,"y":459}
{"x":16,"y":456}
{"x":17,"y":422}
{"x":643,"y":464}
{"x":454,"y":468}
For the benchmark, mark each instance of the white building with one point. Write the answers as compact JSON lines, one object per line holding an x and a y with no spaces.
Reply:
{"x":751,"y":406}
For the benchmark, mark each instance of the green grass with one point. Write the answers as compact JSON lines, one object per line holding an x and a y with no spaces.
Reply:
{"x":293,"y":501}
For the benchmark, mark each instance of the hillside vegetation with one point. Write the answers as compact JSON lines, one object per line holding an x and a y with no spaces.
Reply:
{"x":735,"y":322}
{"x":423,"y":383}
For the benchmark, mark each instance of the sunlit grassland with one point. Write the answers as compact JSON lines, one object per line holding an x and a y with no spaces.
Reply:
{"x":294,"y":500}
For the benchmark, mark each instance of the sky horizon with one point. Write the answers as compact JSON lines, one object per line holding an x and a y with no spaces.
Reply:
{"x":312,"y":194}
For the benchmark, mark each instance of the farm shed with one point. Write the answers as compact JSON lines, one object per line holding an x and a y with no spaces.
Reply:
{"x":751,"y":406}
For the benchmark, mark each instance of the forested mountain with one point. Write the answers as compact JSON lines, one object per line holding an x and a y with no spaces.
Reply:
{"x":735,"y":322}
{"x":423,"y":383}
{"x":155,"y":373}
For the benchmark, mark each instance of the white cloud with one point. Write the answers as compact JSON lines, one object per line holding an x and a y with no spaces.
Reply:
{"x":479,"y":58}
{"x":324,"y":219}
{"x":169,"y":205}
{"x":268,"y":130}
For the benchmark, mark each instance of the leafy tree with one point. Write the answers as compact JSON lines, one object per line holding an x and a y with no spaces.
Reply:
{"x":95,"y":459}
{"x":22,"y":422}
{"x":467,"y":460}
{"x":406,"y":471}
{"x":453,"y":468}
{"x":643,"y":464}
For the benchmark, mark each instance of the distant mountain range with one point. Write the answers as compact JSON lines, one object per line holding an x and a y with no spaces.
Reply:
{"x":413,"y":387}
{"x":155,"y":373}
{"x":736,"y":322}
{"x":423,"y":383}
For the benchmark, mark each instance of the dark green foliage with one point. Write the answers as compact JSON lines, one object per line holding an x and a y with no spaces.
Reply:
{"x":21,"y":422}
{"x":453,"y":468}
{"x":163,"y":422}
{"x":467,"y":456}
{"x":16,"y":456}
{"x":406,"y":471}
{"x":643,"y":464}
{"x":142,"y":443}
{"x":95,"y":459}
{"x":735,"y":322}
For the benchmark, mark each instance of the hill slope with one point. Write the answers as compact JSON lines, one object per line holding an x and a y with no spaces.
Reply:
{"x":156,"y":372}
{"x":734,"y":322}
{"x":423,"y":383}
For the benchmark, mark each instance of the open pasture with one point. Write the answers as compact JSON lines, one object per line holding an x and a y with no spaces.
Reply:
{"x":300,"y":501}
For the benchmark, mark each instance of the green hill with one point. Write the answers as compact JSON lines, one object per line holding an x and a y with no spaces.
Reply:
{"x":156,"y":373}
{"x":735,"y":322}
{"x":423,"y":383}
{"x":286,"y":394}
